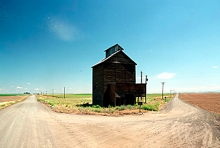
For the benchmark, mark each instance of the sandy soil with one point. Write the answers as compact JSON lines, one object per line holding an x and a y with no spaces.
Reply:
{"x":31,"y":124}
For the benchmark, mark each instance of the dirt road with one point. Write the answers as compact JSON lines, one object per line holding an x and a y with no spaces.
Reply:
{"x":31,"y":124}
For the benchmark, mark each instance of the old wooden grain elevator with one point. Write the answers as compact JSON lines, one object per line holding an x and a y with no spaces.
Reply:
{"x":114,"y":80}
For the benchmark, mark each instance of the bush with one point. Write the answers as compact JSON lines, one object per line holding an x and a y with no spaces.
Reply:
{"x":151,"y":107}
{"x":98,"y":110}
{"x":111,"y":111}
{"x":167,"y":99}
{"x":96,"y":106}
{"x":41,"y":99}
{"x":51,"y":103}
{"x":129,"y":107}
{"x":122,"y":107}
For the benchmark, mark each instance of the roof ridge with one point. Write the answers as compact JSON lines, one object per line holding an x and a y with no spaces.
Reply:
{"x":112,"y":56}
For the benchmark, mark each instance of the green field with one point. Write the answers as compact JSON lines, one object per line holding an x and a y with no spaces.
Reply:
{"x":83,"y":103}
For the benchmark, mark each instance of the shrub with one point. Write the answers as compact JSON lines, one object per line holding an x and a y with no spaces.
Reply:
{"x":96,"y":106}
{"x":98,"y":110}
{"x":122,"y":107}
{"x":129,"y":107}
{"x":111,"y":111}
{"x":167,"y":99}
{"x":41,"y":99}
{"x":51,"y":103}
{"x":151,"y":107}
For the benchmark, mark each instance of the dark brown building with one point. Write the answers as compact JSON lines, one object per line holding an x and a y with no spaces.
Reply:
{"x":114,"y":79}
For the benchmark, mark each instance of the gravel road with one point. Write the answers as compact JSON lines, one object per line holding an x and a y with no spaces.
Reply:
{"x":30,"y":124}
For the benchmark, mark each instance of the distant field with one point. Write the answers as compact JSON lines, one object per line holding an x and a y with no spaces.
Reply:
{"x":207,"y":101}
{"x":12,"y":95}
{"x":10,"y":99}
{"x":82,"y":103}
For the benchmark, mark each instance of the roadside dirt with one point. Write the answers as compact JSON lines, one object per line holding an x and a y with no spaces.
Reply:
{"x":11,"y":98}
{"x":6,"y":101}
{"x":32,"y":124}
{"x":207,"y":101}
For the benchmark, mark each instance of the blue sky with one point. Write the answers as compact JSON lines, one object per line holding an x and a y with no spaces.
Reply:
{"x":48,"y":45}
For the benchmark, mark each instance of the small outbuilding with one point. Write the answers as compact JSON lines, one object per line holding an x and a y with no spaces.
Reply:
{"x":114,"y":79}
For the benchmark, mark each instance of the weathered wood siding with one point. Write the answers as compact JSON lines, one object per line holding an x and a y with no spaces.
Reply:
{"x":118,"y":73}
{"x":120,"y":58}
{"x":98,"y":84}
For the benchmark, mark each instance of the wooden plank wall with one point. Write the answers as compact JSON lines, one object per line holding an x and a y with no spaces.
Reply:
{"x":98,"y":84}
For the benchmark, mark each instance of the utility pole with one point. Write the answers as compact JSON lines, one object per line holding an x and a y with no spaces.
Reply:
{"x":162,"y":88}
{"x":146,"y":79}
{"x":64,"y":93}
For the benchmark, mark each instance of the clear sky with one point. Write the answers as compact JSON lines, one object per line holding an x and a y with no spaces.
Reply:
{"x":47,"y":45}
